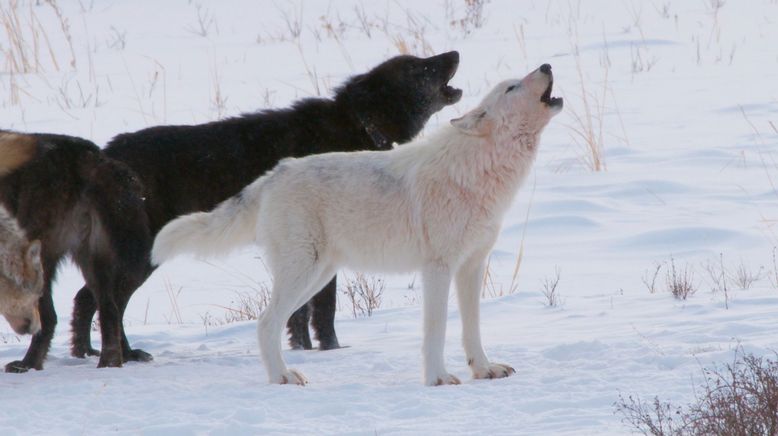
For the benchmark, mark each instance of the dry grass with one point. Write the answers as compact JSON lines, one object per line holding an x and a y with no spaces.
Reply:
{"x":740,"y":398}
{"x":744,"y":277}
{"x":473,"y":16}
{"x":718,"y":276}
{"x":740,"y":277}
{"x":175,"y":310}
{"x":680,"y":281}
{"x":650,"y":276}
{"x":205,"y":22}
{"x":550,"y":291}
{"x":411,"y":39}
{"x":218,"y":99}
{"x":588,"y":121}
{"x":363,"y":21}
{"x":365,"y":293}
{"x":26,"y":41}
{"x":774,"y":274}
{"x":247,"y":305}
{"x":489,"y":289}
{"x":117,"y":40}
{"x":64,"y":24}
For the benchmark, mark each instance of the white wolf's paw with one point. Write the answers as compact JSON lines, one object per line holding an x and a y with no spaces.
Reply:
{"x":291,"y":376}
{"x":445,"y":379}
{"x":493,"y":370}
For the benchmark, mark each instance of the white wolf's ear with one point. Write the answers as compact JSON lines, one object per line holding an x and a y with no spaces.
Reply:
{"x":475,"y":122}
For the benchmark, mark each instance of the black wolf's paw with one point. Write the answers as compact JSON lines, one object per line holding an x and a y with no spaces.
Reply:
{"x":111,"y":359}
{"x":17,"y":367}
{"x":82,"y":352}
{"x":332,"y":344}
{"x":137,"y":355}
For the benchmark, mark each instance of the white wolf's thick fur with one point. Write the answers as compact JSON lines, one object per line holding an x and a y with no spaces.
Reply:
{"x":434,"y":205}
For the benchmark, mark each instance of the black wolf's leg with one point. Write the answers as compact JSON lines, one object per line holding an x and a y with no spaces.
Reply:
{"x":323,"y":316}
{"x":102,"y":281}
{"x":41,"y":341}
{"x":84,"y":308}
{"x":297,"y":325}
{"x":130,"y":354}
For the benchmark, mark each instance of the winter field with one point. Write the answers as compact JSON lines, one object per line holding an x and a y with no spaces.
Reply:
{"x":661,"y":170}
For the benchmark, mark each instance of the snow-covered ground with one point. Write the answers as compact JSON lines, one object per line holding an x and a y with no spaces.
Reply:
{"x":681,"y":95}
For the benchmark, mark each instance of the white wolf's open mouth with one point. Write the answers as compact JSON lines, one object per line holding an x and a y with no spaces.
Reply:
{"x":548,"y":99}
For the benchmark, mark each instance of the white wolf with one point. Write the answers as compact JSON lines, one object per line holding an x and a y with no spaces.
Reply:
{"x":434,"y":205}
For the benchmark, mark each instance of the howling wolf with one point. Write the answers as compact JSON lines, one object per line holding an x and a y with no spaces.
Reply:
{"x":435,"y":205}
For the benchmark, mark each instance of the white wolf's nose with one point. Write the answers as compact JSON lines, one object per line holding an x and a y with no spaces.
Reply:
{"x":545,"y":68}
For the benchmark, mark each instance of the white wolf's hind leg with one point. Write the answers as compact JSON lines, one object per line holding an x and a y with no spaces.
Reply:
{"x":469,"y":280}
{"x":292,"y":283}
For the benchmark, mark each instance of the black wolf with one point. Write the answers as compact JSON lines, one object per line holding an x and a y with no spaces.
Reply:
{"x":64,"y":192}
{"x":185,"y":169}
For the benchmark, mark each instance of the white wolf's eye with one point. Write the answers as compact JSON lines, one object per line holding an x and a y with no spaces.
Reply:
{"x":511,"y":88}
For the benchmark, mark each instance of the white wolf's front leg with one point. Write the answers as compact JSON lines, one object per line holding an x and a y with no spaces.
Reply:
{"x":437,"y":281}
{"x":469,"y":280}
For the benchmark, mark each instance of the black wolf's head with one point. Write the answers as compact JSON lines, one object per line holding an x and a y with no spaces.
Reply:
{"x":397,"y":97}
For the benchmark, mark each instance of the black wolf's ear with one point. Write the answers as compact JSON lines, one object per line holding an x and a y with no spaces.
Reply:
{"x":475,"y":122}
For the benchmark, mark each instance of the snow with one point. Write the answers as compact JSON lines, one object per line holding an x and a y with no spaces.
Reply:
{"x":691,"y":170}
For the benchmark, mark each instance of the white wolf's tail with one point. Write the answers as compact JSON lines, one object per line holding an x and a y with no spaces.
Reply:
{"x":206,"y":234}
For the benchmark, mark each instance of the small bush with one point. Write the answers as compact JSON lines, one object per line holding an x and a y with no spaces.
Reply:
{"x":739,"y":399}
{"x":553,"y":299}
{"x":650,"y":276}
{"x":364,"y":294}
{"x":247,"y":306}
{"x":680,"y":282}
{"x":474,"y":16}
{"x":744,"y":277}
{"x":774,"y":274}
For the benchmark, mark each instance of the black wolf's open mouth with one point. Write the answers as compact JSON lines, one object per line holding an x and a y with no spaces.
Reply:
{"x":451,"y":94}
{"x":548,"y":99}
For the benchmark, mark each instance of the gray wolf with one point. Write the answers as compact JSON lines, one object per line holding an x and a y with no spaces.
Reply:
{"x":21,"y":276}
{"x":63,"y":192}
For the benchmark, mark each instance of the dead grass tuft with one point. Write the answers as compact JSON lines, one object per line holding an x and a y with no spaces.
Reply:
{"x":740,"y":398}
{"x":365,"y":293}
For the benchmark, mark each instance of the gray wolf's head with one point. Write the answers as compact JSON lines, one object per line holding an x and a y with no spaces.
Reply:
{"x":514,"y":107}
{"x":398,"y":97}
{"x":21,"y":277}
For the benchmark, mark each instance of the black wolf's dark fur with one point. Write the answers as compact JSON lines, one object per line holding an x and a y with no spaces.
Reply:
{"x":77,"y":202}
{"x":192,"y":168}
